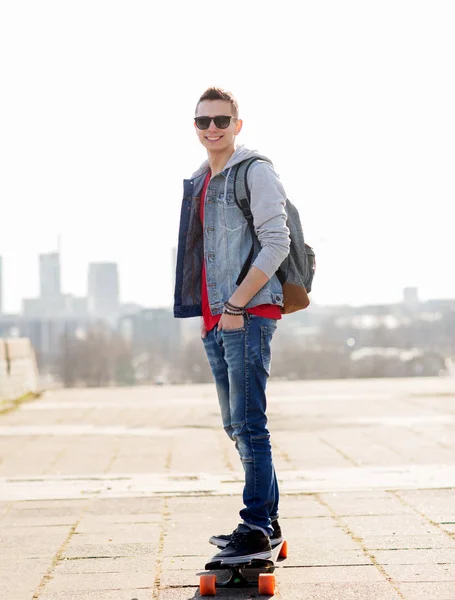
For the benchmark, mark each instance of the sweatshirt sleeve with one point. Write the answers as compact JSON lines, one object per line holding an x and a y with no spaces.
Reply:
{"x":268,"y":200}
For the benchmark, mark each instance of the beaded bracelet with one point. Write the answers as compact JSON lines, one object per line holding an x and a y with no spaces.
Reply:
{"x":232,"y":307}
{"x":235,"y":311}
{"x":234,"y":314}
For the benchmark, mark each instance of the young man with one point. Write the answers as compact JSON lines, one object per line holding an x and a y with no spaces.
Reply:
{"x":237,"y":321}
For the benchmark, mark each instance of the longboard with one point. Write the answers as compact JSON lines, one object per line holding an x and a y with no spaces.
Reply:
{"x":244,"y":574}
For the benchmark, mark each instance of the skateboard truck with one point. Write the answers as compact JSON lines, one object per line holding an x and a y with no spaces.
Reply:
{"x":237,"y":579}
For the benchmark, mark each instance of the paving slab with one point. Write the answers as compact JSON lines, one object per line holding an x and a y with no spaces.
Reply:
{"x":106,"y":594}
{"x":426,"y":590}
{"x":100,"y":550}
{"x":115,"y":564}
{"x":425,"y":556}
{"x":88,"y":581}
{"x":404,"y":524}
{"x":392,"y":542}
{"x":113,"y":493}
{"x":426,"y":572}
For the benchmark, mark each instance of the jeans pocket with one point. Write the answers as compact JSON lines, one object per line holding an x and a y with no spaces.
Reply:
{"x":230,"y":331}
{"x":237,"y":329}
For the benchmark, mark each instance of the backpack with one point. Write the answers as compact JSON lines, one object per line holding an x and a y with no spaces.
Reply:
{"x":297,"y":270}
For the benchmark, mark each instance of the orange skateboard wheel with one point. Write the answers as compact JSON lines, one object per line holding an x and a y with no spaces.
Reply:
{"x":207,"y":585}
{"x":266,"y":584}
{"x":283,"y":550}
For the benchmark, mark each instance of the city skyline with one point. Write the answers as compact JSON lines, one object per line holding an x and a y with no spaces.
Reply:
{"x":101,"y":297}
{"x":50,"y":274}
{"x":351,"y":101}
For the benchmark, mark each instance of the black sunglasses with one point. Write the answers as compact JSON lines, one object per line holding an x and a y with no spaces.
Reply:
{"x":221,"y":121}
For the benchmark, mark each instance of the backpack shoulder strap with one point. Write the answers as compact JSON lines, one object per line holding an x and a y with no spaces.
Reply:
{"x":242,"y":197}
{"x":242,"y":194}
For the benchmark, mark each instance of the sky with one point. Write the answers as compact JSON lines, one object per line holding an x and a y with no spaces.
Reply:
{"x":352,"y":101}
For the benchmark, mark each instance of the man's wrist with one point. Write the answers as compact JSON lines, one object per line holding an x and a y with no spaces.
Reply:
{"x":235,"y":305}
{"x":233,"y":310}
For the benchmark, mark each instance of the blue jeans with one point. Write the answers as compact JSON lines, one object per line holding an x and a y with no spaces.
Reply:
{"x":240,"y":362}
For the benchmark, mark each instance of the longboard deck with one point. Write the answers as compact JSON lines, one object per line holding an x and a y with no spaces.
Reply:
{"x":255,"y":563}
{"x":242,"y":574}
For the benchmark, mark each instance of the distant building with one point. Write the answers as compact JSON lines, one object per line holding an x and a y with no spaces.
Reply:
{"x":47,"y":334}
{"x":32,"y":308}
{"x":411,"y":297}
{"x":40,"y":308}
{"x":152,"y":330}
{"x":130,"y":308}
{"x":76,"y":307}
{"x":9,"y":326}
{"x":61,"y":306}
{"x":51,"y":303}
{"x":104,"y":291}
{"x":49,"y":270}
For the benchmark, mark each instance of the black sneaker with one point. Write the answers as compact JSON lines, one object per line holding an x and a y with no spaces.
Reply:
{"x":245,"y":544}
{"x":223,"y":540}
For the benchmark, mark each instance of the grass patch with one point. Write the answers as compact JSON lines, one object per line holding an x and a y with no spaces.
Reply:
{"x":7,"y":406}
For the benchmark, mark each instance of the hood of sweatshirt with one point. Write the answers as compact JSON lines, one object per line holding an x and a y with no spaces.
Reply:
{"x":240,"y":154}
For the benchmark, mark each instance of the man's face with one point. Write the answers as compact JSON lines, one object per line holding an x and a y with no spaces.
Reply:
{"x":214,"y":139}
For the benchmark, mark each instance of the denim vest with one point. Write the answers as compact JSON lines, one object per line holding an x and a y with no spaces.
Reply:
{"x":224,"y":244}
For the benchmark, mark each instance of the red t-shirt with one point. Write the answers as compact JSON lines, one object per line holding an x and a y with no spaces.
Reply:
{"x":270,"y":311}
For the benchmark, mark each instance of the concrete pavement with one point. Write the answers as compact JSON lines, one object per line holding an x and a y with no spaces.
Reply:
{"x":113,"y":494}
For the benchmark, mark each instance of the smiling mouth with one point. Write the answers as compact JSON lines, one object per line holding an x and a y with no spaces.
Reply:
{"x":213,"y":138}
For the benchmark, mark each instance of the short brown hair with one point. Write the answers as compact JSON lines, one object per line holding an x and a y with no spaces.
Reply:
{"x":216,"y":93}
